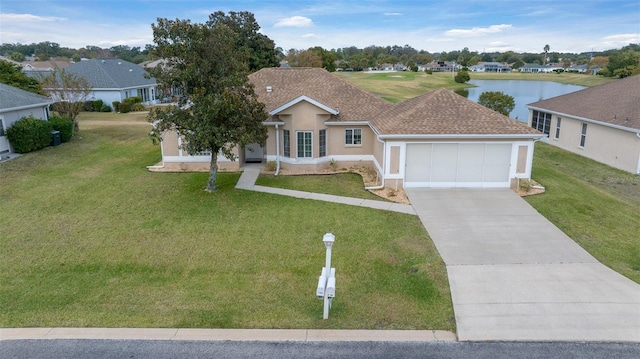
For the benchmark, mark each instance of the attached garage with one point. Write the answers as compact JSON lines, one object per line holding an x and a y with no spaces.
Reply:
{"x":457,"y":164}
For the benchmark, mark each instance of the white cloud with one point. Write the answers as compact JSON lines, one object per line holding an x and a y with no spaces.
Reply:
{"x":392,"y":14}
{"x":311,"y":35}
{"x":294,"y":21}
{"x":477,"y":31}
{"x":28,"y":17}
{"x":620,"y":40}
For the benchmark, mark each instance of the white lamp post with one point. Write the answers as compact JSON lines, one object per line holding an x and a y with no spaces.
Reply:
{"x":327,"y":281}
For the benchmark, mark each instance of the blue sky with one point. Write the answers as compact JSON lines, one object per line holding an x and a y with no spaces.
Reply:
{"x":486,"y":25}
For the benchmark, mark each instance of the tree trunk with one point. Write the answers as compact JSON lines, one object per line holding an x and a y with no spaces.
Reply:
{"x":213,"y":173}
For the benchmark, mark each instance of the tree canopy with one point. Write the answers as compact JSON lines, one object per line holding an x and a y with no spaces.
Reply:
{"x":221,"y":110}
{"x":12,"y":75}
{"x":497,"y":101}
{"x":69,"y":92}
{"x":260,"y":49}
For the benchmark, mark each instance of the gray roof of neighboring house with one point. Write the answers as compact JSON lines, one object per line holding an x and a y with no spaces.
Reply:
{"x":13,"y":98}
{"x":616,"y":103}
{"x":111,"y":73}
{"x":440,"y":112}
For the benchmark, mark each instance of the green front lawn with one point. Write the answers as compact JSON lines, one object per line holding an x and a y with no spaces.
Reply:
{"x":594,"y":204}
{"x":90,"y":238}
{"x":341,"y":184}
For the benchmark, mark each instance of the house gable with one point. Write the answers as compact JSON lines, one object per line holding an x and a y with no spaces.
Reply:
{"x":295,"y":101}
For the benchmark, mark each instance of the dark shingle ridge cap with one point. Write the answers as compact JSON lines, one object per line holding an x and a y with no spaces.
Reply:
{"x":12,"y":98}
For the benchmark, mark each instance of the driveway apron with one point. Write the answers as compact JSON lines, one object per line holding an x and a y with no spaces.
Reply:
{"x":516,"y":276}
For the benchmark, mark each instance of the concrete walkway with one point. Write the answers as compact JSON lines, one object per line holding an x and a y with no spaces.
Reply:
{"x":515,"y":276}
{"x":268,"y":335}
{"x":250,"y":175}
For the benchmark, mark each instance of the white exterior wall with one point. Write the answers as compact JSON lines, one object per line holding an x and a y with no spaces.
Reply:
{"x":10,"y":117}
{"x":612,"y":146}
{"x":108,"y":96}
{"x":515,"y":147}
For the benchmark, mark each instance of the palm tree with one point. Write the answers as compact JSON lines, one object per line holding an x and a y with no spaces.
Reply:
{"x":546,"y":51}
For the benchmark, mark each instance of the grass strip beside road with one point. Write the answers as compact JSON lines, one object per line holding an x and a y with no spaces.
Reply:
{"x":90,"y":238}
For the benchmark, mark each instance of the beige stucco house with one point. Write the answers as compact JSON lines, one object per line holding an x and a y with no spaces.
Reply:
{"x":601,"y":122}
{"x":438,"y":139}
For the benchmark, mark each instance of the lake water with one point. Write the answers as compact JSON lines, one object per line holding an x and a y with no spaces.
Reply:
{"x":523,"y":92}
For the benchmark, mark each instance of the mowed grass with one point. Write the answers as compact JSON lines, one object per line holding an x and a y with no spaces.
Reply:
{"x":594,"y":204}
{"x":341,"y":184}
{"x":90,"y":238}
{"x":400,"y":86}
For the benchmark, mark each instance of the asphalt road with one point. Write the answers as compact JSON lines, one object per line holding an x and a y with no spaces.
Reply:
{"x":137,"y":349}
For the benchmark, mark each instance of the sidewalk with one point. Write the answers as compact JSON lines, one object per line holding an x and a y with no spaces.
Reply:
{"x":263,"y":335}
{"x":250,"y":175}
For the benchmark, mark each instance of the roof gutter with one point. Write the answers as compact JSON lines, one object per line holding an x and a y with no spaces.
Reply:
{"x":44,"y":104}
{"x":465,"y":136}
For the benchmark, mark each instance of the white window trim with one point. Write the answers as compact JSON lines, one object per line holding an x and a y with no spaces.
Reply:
{"x":583,"y":135}
{"x":297,"y":144}
{"x":352,"y":137}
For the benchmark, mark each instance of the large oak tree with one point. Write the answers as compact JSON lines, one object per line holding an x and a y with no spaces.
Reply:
{"x":220,"y":109}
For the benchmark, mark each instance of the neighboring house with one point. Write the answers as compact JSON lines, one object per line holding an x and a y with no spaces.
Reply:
{"x":578,"y":68}
{"x":443,"y":66}
{"x":438,"y":139}
{"x":16,"y":104}
{"x":115,"y":80}
{"x":490,"y":67}
{"x":602,"y":122}
{"x":535,"y":68}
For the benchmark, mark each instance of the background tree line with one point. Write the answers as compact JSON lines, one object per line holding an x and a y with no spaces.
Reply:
{"x":615,"y":62}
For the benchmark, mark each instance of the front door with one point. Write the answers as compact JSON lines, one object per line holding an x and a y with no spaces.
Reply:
{"x":253,"y":152}
{"x":4,"y":142}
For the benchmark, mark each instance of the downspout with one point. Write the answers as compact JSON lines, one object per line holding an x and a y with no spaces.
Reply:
{"x":161,"y":166}
{"x":384,"y":161}
{"x":277,"y":151}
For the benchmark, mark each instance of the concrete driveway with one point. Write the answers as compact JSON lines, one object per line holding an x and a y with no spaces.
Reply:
{"x":515,"y":276}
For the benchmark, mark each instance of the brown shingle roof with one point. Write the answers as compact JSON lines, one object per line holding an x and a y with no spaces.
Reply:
{"x":442,"y":112}
{"x":616,"y":103}
{"x":320,"y":85}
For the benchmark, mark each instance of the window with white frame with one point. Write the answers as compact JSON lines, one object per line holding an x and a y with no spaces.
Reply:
{"x":583,"y":135}
{"x":286,"y":143}
{"x":304,"y":141}
{"x":558,"y":128}
{"x":541,"y":121}
{"x":322,"y":143}
{"x":353,"y":136}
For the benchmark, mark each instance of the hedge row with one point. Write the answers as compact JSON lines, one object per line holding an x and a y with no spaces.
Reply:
{"x":31,"y":134}
{"x":64,"y":125}
{"x":129,"y":104}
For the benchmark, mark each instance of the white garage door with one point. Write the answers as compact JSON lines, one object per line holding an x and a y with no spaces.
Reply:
{"x":457,"y":164}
